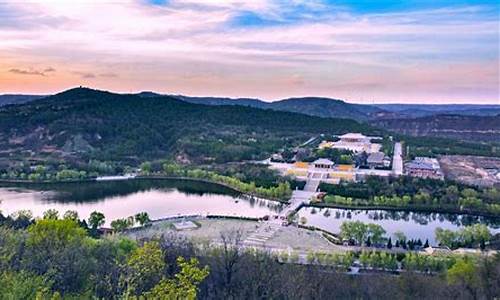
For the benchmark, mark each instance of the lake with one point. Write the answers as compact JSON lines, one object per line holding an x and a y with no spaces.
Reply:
{"x":119,"y":199}
{"x":415,"y":225}
{"x":162,"y":198}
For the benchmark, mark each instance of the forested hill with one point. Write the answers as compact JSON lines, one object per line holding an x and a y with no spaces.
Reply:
{"x":313,"y":106}
{"x":85,"y":123}
{"x":328,"y":108}
{"x":422,"y":110}
{"x":17,"y":99}
{"x":467,"y":128}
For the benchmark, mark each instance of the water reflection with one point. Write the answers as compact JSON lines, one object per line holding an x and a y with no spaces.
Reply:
{"x":160,"y":198}
{"x":414,"y":224}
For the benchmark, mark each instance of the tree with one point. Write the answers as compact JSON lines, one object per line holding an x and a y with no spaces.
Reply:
{"x":96,"y":220}
{"x":59,"y":250}
{"x":22,"y":285}
{"x":463,"y":273}
{"x":184,"y":285}
{"x":426,"y":244}
{"x":142,"y":218}
{"x":389,"y":243}
{"x":376,"y":233}
{"x":22,"y":219}
{"x":227,"y":257}
{"x":119,"y":225}
{"x":354,"y":230}
{"x":145,"y":268}
{"x":400,"y":236}
{"x":445,"y":237}
{"x":71,"y":215}
{"x":146,"y":167}
{"x":51,"y":214}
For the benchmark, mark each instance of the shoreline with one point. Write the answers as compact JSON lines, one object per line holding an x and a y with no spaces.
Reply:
{"x":142,"y":177}
{"x":406,"y":209}
{"x":316,"y":205}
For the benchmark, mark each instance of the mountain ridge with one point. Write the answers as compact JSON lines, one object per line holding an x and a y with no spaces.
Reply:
{"x":85,"y":123}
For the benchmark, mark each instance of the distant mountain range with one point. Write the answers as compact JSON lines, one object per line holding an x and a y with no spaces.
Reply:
{"x":318,"y":106}
{"x":313,"y":106}
{"x":459,"y":121}
{"x":17,"y":99}
{"x":420,"y":110}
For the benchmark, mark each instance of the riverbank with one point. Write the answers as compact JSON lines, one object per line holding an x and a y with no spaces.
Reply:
{"x":160,"y":177}
{"x":407,"y":209}
{"x":143,"y":177}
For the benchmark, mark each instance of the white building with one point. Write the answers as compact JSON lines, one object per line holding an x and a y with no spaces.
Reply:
{"x":355,"y":142}
{"x":323,"y":163}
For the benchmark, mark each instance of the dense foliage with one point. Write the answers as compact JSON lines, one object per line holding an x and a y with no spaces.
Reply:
{"x":468,"y":236}
{"x":413,"y":192}
{"x":54,"y":258}
{"x":433,"y":146}
{"x":362,"y":233}
{"x":282,"y":191}
{"x":93,"y":124}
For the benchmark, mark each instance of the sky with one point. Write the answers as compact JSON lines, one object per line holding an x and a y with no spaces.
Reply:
{"x":365,"y":51}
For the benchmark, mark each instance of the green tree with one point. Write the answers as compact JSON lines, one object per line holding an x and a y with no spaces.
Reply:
{"x":51,"y":214}
{"x":120,"y":225}
{"x":376,"y":233}
{"x":58,"y":249}
{"x":445,"y":237}
{"x":96,"y":220}
{"x":142,"y":218}
{"x":71,"y":215}
{"x":354,"y":230}
{"x":146,"y":168}
{"x":463,"y":273}
{"x":23,"y":285}
{"x":145,"y":268}
{"x":184,"y":285}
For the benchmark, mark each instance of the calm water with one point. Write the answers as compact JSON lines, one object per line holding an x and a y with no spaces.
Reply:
{"x":119,"y":199}
{"x":415,"y":225}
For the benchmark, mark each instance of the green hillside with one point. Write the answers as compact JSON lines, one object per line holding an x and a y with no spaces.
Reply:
{"x":81,"y":124}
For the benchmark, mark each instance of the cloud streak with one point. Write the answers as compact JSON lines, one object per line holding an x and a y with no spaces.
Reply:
{"x":261,"y":48}
{"x":32,"y":71}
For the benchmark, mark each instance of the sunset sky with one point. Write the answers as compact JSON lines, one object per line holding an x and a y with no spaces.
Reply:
{"x":426,"y":51}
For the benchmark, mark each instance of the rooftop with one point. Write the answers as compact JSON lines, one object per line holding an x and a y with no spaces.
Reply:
{"x":323,"y":161}
{"x":376,"y":157}
{"x":352,"y":136}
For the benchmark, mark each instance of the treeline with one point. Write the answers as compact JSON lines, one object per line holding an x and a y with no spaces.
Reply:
{"x":363,"y":234}
{"x":261,"y":174}
{"x":63,"y":171}
{"x":476,"y":235}
{"x":54,"y":259}
{"x":112,"y":127}
{"x":406,"y":191}
{"x":434,"y":146}
{"x":282,"y":191}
